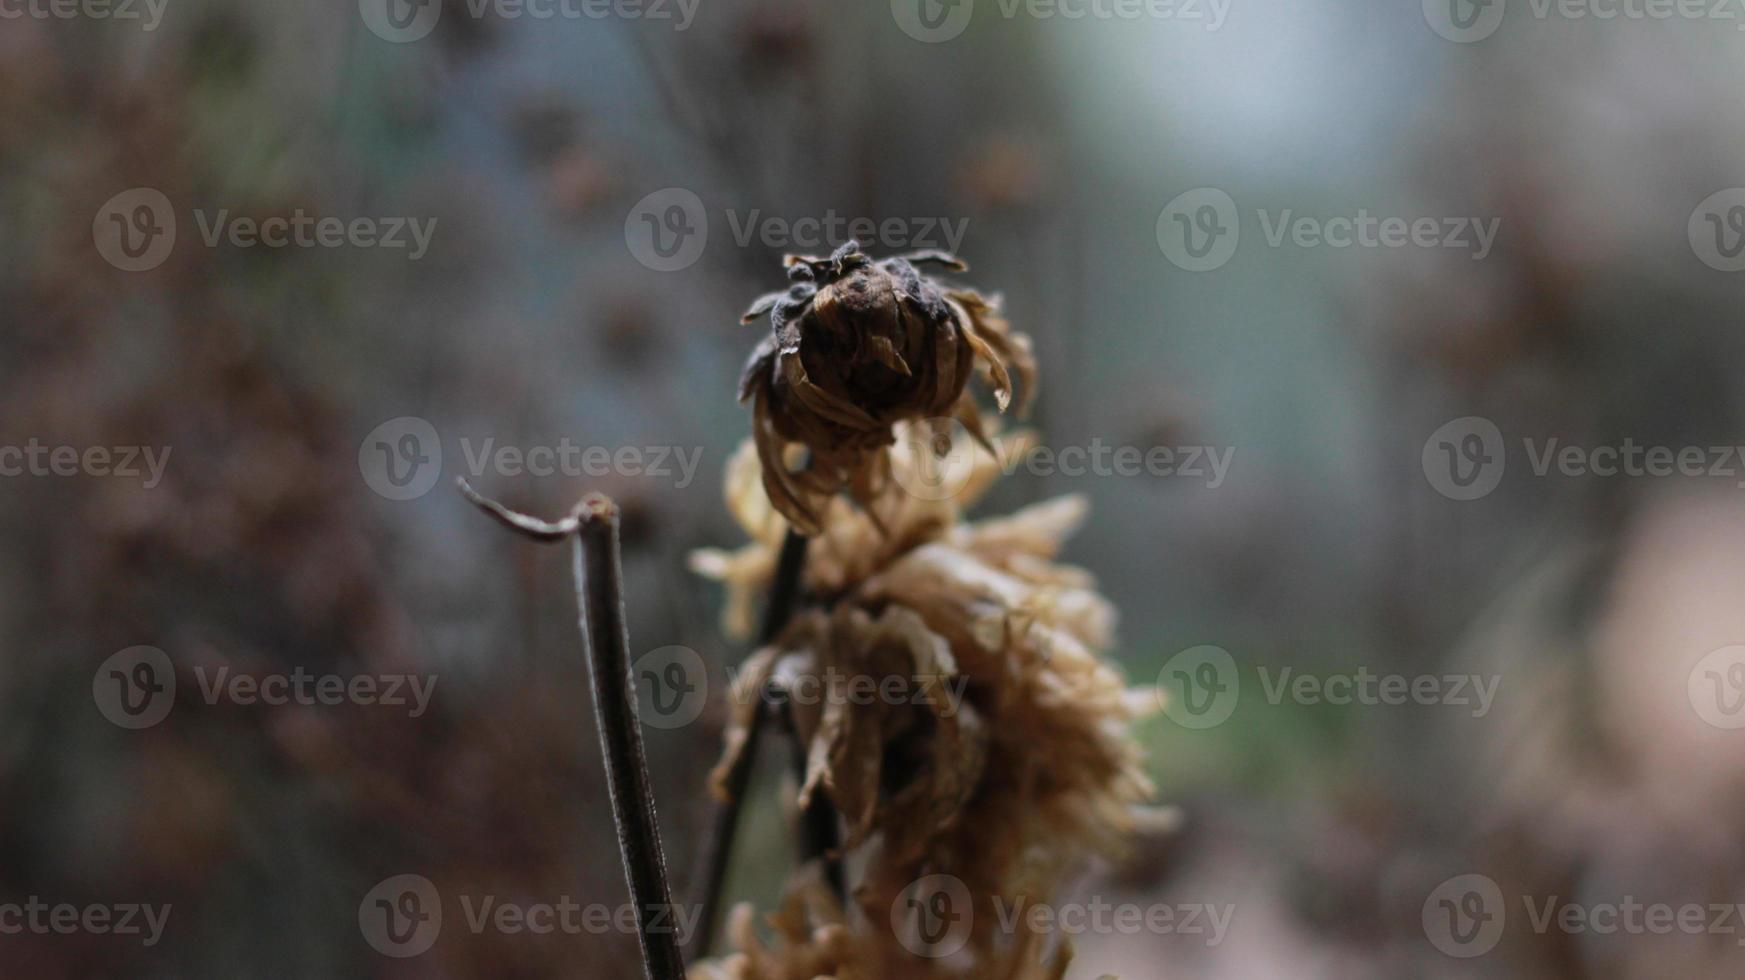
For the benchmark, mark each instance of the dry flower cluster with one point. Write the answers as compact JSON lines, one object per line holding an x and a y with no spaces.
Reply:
{"x":1018,"y":765}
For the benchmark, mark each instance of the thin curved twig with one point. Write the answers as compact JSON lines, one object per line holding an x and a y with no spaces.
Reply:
{"x":593,"y":528}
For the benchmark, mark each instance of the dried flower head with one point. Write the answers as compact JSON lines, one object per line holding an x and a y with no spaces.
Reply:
{"x":855,"y":346}
{"x":1013,"y":763}
{"x":996,"y":754}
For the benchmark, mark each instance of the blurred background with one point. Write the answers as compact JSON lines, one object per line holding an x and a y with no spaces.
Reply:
{"x":601,"y":194}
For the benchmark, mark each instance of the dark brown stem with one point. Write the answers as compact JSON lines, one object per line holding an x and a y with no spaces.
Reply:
{"x":593,"y":530}
{"x":820,"y":838}
{"x":785,"y":592}
{"x":718,"y":850}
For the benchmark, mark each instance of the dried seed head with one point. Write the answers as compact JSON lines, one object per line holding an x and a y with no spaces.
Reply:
{"x":856,"y":346}
{"x":1017,"y":763}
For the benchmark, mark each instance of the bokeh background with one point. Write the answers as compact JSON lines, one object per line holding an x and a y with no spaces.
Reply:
{"x":1056,"y":144}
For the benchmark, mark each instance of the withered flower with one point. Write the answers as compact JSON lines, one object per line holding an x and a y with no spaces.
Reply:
{"x":856,"y":346}
{"x":998,"y":755}
{"x":1016,"y":764}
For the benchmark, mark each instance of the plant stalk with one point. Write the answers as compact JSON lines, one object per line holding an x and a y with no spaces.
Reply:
{"x":592,"y":529}
{"x":718,"y":850}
